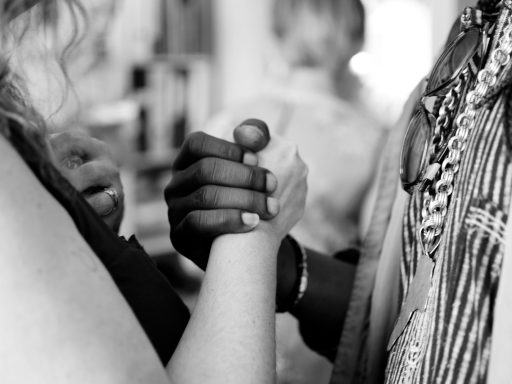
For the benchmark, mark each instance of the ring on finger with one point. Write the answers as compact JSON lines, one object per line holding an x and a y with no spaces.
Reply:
{"x":114,"y":196}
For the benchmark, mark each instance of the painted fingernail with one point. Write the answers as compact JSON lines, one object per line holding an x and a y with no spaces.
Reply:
{"x":250,"y":219}
{"x":271,"y":182}
{"x":250,"y":159}
{"x":272,"y":206}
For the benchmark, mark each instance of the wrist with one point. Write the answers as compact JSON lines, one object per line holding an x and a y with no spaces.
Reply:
{"x":259,"y":238}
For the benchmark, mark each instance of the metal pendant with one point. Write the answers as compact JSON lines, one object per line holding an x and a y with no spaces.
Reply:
{"x":416,"y":299}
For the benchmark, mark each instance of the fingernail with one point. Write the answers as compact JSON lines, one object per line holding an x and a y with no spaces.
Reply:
{"x":272,"y":206}
{"x":271,"y":182}
{"x":252,"y":133}
{"x":250,"y":159}
{"x":250,"y":219}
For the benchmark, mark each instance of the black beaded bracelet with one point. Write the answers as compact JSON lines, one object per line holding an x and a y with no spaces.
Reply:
{"x":301,"y":282}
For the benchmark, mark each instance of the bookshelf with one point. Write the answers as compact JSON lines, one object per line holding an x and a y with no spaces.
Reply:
{"x":164,"y":50}
{"x":173,"y":89}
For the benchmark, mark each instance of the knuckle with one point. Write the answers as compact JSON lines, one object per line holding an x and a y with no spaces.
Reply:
{"x":204,"y":220}
{"x":220,"y":218}
{"x":196,"y":142}
{"x":204,"y":170}
{"x":200,"y":197}
{"x":233,"y":151}
{"x":207,"y":197}
{"x":214,"y":171}
{"x":192,"y":221}
{"x":197,"y":172}
{"x":214,"y":196}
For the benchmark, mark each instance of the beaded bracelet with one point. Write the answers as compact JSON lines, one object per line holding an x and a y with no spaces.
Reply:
{"x":301,"y":283}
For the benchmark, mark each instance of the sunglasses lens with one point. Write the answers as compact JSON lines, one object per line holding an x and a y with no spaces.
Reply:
{"x":414,"y":150}
{"x":454,"y":59}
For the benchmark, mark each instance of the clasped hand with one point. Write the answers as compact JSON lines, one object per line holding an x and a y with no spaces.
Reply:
{"x":219,"y":186}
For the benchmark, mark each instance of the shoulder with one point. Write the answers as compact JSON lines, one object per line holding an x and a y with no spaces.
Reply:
{"x":26,"y":205}
{"x":54,"y":275}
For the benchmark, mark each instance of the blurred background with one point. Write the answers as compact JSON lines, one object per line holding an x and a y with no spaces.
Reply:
{"x":147,"y":73}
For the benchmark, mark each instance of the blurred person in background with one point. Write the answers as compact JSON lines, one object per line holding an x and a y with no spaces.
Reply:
{"x":314,"y":101}
{"x":429,"y":299}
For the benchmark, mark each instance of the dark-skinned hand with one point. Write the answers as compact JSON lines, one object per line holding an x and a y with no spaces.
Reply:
{"x":218,"y":188}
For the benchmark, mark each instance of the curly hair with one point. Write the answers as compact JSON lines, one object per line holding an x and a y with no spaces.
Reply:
{"x":15,"y":22}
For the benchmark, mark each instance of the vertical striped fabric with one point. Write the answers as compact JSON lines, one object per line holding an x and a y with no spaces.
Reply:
{"x":450,"y":342}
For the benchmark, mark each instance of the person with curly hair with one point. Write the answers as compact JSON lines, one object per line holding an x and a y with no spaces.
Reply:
{"x":79,"y":303}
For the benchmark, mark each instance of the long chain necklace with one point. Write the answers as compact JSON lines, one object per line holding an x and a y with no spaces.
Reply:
{"x":435,"y":208}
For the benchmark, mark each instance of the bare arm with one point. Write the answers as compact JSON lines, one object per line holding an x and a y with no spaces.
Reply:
{"x":63,"y":320}
{"x":67,"y":320}
{"x":322,"y":310}
{"x":237,"y":344}
{"x":238,"y":294}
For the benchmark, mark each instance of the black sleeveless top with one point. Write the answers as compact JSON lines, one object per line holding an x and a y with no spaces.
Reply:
{"x":158,"y":308}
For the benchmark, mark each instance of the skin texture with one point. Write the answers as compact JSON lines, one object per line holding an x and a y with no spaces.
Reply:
{"x":322,"y":309}
{"x":89,"y":166}
{"x":64,"y":320}
{"x":212,"y":173}
{"x":246,"y":261}
{"x":72,"y":303}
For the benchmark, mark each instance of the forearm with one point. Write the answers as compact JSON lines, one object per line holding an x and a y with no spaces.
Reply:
{"x":321,"y":311}
{"x":231,"y":331}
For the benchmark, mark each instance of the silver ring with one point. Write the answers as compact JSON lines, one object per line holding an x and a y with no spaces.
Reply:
{"x":114,"y":196}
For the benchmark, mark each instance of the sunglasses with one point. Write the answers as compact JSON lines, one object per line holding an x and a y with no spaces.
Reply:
{"x":430,"y":127}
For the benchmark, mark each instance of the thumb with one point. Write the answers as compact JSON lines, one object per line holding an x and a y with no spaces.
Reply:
{"x":252,"y":134}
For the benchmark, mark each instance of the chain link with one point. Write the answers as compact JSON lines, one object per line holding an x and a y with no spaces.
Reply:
{"x":435,"y":207}
{"x":446,"y":109}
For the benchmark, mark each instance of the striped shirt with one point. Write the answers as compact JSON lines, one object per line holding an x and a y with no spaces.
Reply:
{"x":450,"y":341}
